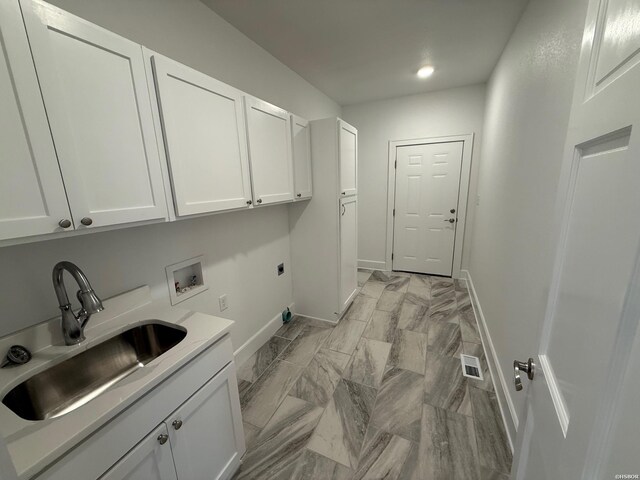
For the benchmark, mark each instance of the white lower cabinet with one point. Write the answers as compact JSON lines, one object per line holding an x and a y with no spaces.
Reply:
{"x":195,"y":426}
{"x":348,"y":251}
{"x":151,"y":459}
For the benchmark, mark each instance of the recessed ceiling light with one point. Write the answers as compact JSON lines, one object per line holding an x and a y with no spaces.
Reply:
{"x":426,"y":71}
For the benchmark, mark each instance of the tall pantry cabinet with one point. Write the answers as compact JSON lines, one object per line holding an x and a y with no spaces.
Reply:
{"x":324,"y":230}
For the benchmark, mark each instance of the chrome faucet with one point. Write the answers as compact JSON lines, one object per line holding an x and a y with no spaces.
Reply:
{"x":72,"y":324}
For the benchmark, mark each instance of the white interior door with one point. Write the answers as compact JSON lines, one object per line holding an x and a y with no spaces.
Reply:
{"x":203,"y":123}
{"x":32,"y":196}
{"x":348,"y":251}
{"x":95,"y":92}
{"x":582,"y":420}
{"x":348,"y":158}
{"x":426,"y":202}
{"x":269,"y":135}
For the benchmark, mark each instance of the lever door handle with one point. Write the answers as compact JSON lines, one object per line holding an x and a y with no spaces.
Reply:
{"x":528,"y":368}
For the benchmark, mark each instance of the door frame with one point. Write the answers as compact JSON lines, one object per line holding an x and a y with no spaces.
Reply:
{"x":463,"y":193}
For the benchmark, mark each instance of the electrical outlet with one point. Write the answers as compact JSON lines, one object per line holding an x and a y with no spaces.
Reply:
{"x":280,"y":269}
{"x":224,"y":302}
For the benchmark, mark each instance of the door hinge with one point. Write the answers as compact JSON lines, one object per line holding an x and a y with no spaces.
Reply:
{"x":394,"y":212}
{"x":392,"y":256}
{"x":396,"y":164}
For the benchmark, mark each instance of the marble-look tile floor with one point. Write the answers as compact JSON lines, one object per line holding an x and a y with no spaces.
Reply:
{"x":380,"y":395}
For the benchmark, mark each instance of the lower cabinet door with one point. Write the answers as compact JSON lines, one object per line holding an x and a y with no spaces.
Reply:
{"x":348,"y":251}
{"x":206,"y":433}
{"x":151,"y":459}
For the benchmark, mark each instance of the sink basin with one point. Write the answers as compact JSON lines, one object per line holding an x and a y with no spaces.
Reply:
{"x":76,"y":381}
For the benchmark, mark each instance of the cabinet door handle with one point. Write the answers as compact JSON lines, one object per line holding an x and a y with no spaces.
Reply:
{"x":299,"y":195}
{"x":249,"y":202}
{"x":344,"y":193}
{"x":162,"y":438}
{"x":86,"y":221}
{"x":259,"y":200}
{"x":177,"y":424}
{"x":65,"y":223}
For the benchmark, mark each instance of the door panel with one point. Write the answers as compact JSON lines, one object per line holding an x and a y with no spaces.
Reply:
{"x":210,"y":441}
{"x":203,"y":123}
{"x":149,"y":460}
{"x":348,"y":251}
{"x":579,"y":396}
{"x":301,"y":137}
{"x":427,"y":189}
{"x":32,"y":196}
{"x":348,"y":149}
{"x":95,"y":91}
{"x":269,"y":133}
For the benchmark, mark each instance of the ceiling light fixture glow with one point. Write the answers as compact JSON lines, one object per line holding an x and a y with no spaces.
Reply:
{"x":426,"y":71}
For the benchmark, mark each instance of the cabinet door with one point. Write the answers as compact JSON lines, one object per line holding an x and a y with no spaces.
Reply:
{"x":301,"y":137}
{"x":203,"y":123}
{"x":348,"y":251}
{"x":97,"y":99}
{"x":206,"y":431}
{"x":269,"y":132}
{"x":32,"y":197}
{"x":348,"y":158}
{"x":151,"y":459}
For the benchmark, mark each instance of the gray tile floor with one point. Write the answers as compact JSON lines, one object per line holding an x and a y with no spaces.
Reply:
{"x":380,"y":395}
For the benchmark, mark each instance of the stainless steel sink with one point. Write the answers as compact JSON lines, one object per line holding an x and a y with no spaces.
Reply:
{"x":74,"y":382}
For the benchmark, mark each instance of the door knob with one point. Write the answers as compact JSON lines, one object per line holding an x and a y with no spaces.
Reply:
{"x":527,"y":368}
{"x":177,"y":424}
{"x":162,"y":438}
{"x":453,"y":210}
{"x":450,"y":220}
{"x":86,"y":221}
{"x":65,"y":223}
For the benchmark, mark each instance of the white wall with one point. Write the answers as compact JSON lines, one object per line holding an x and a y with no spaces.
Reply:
{"x":528,"y":103}
{"x":447,"y":112}
{"x":241,"y":249}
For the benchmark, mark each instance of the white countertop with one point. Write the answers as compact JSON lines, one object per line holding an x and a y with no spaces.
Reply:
{"x":34,"y":445}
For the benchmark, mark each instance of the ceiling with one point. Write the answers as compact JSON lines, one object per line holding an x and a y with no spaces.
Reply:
{"x":362,"y":50}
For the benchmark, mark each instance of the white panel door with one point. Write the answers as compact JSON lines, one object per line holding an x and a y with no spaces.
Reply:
{"x":151,"y":459}
{"x":582,"y":420}
{"x":348,"y":158}
{"x":32,"y":196}
{"x":203,"y":124}
{"x":348,"y":251}
{"x":95,"y":91}
{"x":269,"y":137}
{"x":301,"y":138}
{"x":206,"y":432}
{"x":427,"y":189}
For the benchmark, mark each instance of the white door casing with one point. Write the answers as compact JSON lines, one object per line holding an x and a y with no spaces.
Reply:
{"x":95,"y":92}
{"x":426,"y":206}
{"x":581,"y":414}
{"x":269,"y":139}
{"x":348,"y":251}
{"x":348,"y":158}
{"x":205,"y":139}
{"x":301,"y":141}
{"x":32,"y":195}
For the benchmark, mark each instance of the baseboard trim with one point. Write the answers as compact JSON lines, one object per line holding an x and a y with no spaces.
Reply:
{"x":251,"y":346}
{"x":372,"y":265}
{"x":509,"y":416}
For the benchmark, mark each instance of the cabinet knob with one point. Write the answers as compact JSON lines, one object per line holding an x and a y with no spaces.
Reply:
{"x":249,"y":202}
{"x":259,"y":200}
{"x":344,"y":193}
{"x":86,"y":221}
{"x":162,"y":438}
{"x":299,"y":195}
{"x":177,"y":424}
{"x":65,"y":223}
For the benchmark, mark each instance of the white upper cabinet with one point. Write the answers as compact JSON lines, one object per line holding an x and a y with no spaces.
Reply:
{"x":269,"y":137}
{"x":32,"y":196}
{"x":301,"y":138}
{"x":348,"y":158}
{"x":204,"y":131}
{"x":96,"y":95}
